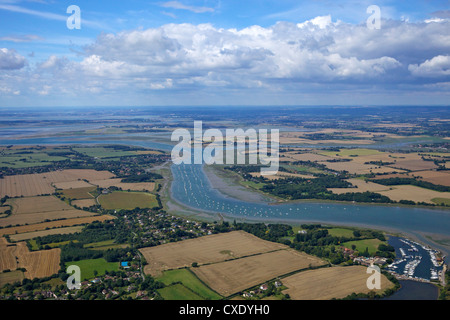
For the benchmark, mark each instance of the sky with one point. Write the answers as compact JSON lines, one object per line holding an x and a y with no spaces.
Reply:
{"x":224,"y":52}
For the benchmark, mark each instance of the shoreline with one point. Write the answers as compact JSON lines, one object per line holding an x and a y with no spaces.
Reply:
{"x":225,"y":185}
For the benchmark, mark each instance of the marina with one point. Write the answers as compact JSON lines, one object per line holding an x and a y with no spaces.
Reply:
{"x":414,"y":261}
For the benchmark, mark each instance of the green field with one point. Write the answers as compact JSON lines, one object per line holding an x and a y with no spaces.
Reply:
{"x":439,"y":201}
{"x":361,"y":245}
{"x":16,"y":159}
{"x":88,"y":266}
{"x":341,"y":232}
{"x":190,"y":281}
{"x":254,"y":185}
{"x":127,"y":200}
{"x":178,"y":292}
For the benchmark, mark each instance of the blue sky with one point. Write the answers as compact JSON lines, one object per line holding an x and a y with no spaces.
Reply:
{"x":222,"y":52}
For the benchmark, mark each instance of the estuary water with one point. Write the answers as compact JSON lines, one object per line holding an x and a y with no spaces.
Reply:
{"x":191,"y":188}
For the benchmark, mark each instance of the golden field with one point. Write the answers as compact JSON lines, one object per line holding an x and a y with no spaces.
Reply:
{"x":207,"y":249}
{"x":329,"y":283}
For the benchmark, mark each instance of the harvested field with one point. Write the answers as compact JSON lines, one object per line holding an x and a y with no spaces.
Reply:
{"x":33,"y":218}
{"x":328,"y":283}
{"x":301,"y":141}
{"x":41,"y":183}
{"x":414,"y":165}
{"x":436,"y":177}
{"x":359,"y":168}
{"x":413,"y":193}
{"x":84,"y":203}
{"x":127,"y":200}
{"x":72,"y":184}
{"x":33,"y":210}
{"x":351,"y":153}
{"x":54,"y":224}
{"x":306,"y":156}
{"x":38,"y":264}
{"x":11,"y":277}
{"x":361,"y":186}
{"x":24,"y":185}
{"x":7,"y":257}
{"x":5,"y":208}
{"x":43,"y":233}
{"x":229,"y":277}
{"x":136,"y":186}
{"x":207,"y":249}
{"x":77,"y":174}
{"x":37,"y":204}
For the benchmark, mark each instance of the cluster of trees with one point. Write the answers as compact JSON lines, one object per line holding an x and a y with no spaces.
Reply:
{"x":270,"y":232}
{"x":94,"y":232}
{"x":119,"y":284}
{"x":145,"y":177}
{"x":414,"y":182}
{"x":74,"y":251}
{"x":299,"y":188}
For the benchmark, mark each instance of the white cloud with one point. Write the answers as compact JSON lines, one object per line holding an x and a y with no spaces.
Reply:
{"x":322,"y":22}
{"x":11,"y":60}
{"x":436,"y":67}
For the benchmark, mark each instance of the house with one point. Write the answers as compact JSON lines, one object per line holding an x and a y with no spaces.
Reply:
{"x":264,"y":287}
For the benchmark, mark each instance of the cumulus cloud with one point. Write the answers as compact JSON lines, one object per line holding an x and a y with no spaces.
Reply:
{"x":286,"y":50}
{"x":11,"y":60}
{"x":436,"y":67}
